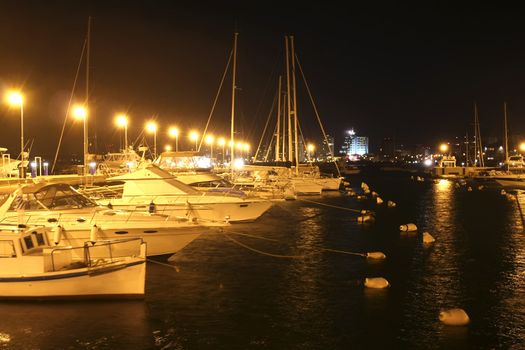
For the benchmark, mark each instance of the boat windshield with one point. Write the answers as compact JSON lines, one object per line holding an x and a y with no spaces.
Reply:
{"x":52,"y":197}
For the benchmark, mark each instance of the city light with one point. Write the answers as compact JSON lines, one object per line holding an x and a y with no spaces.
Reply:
{"x":14,"y":98}
{"x":121,"y":120}
{"x":522,"y":146}
{"x":310,"y":148}
{"x":167,"y":148}
{"x":443,"y":147}
{"x":151,"y":127}
{"x":209,"y":139}
{"x":194,"y":136}
{"x":221,"y":141}
{"x":173,"y":132}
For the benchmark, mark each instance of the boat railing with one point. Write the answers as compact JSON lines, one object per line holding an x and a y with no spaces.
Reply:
{"x":92,"y":254}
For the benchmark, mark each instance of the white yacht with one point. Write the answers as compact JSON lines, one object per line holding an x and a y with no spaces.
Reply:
{"x":158,"y":191}
{"x":33,"y":267}
{"x":78,"y":219}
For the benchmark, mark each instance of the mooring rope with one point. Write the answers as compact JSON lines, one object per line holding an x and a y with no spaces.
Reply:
{"x":162,"y":264}
{"x":521,"y":212}
{"x":264,"y":253}
{"x":331,"y":206}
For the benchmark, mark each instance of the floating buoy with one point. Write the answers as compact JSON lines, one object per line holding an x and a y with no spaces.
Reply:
{"x":376,"y":283}
{"x":360,"y":197}
{"x":366,"y":191}
{"x":391,"y":204}
{"x":93,"y":234}
{"x":503,"y":192}
{"x":364,"y":218}
{"x":454,"y":317}
{"x":374,"y":194}
{"x":408,"y":227}
{"x":376,"y":255}
{"x":480,"y":187}
{"x":366,"y":212}
{"x":57,"y":234}
{"x":427,"y":238}
{"x":379,"y":200}
{"x":350,"y":193}
{"x":469,"y":189}
{"x":364,"y":185}
{"x":346,"y":183}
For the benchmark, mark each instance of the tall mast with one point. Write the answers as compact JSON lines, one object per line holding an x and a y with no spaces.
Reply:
{"x":278,"y":120}
{"x":232,"y":131}
{"x":480,"y":145}
{"x":294,"y":107}
{"x":506,"y":136}
{"x":288,"y":101}
{"x":467,"y":150}
{"x":86,"y":125}
{"x":283,"y":157}
{"x":475,"y":134}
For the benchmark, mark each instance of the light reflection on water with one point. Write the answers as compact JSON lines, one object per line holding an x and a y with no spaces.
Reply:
{"x":222,"y":296}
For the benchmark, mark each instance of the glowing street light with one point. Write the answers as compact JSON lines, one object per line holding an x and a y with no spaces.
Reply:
{"x":16,"y":99}
{"x":79,"y":112}
{"x":522,"y":146}
{"x":222,"y":142}
{"x":209,"y":141}
{"x":167,"y":148}
{"x":122,"y":122}
{"x":151,"y":127}
{"x":194,"y":136}
{"x":443,"y":147}
{"x":173,"y":132}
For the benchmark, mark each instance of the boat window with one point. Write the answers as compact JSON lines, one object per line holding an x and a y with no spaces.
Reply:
{"x":7,"y":249}
{"x":39,"y":238}
{"x":28,"y":242}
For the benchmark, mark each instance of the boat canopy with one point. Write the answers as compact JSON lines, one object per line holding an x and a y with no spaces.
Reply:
{"x":51,"y":197}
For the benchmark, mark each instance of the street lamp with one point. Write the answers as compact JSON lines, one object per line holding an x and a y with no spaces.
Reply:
{"x":310,"y":148}
{"x":16,"y":99}
{"x":174,"y":132}
{"x":443,"y":148}
{"x":522,"y":146}
{"x":80,"y":112}
{"x":222,"y":142}
{"x":194,"y":136}
{"x":122,"y":122}
{"x":209,"y":141}
{"x":167,"y":148}
{"x":151,"y":127}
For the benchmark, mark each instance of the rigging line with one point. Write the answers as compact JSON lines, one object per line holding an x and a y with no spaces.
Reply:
{"x":162,"y":264}
{"x":266,"y":125}
{"x":521,"y":212}
{"x":316,"y":113}
{"x":222,"y":230}
{"x":270,"y":145}
{"x":69,"y":106}
{"x":331,"y":206}
{"x":215,"y":101}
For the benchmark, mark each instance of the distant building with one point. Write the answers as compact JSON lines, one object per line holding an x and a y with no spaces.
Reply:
{"x":327,"y":149}
{"x":354,"y":145}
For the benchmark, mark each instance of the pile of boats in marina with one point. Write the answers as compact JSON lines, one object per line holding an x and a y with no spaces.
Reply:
{"x":58,"y":241}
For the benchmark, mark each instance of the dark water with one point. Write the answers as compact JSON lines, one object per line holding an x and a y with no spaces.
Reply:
{"x":223,"y":296}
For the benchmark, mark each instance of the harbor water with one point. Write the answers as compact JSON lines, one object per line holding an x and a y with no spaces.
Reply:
{"x":273,"y":285}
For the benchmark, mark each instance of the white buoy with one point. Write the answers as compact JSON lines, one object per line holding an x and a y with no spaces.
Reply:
{"x":454,"y":317}
{"x":366,"y":191}
{"x":364,"y":185}
{"x":365,"y":212}
{"x":503,"y":192}
{"x":360,"y":197}
{"x":57,"y":234}
{"x":93,"y":234}
{"x":391,"y":204}
{"x":427,"y":238}
{"x":376,"y":255}
{"x":374,"y":194}
{"x":346,"y":183}
{"x":469,"y":189}
{"x":408,"y":227}
{"x":379,"y":200}
{"x":480,"y":187}
{"x":364,"y":218}
{"x":376,"y":283}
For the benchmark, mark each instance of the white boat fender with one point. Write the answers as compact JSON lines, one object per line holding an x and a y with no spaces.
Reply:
{"x":376,"y":283}
{"x":93,"y":234}
{"x":365,"y":212}
{"x":364,"y":185}
{"x":152,"y":208}
{"x":366,"y":191}
{"x":408,"y":227}
{"x":391,"y":204}
{"x":427,"y":238}
{"x":379,"y":200}
{"x":454,"y":317}
{"x":469,"y":189}
{"x":376,"y":255}
{"x":57,"y":234}
{"x":346,"y":183}
{"x":374,"y":194}
{"x":480,"y":187}
{"x":503,"y":192}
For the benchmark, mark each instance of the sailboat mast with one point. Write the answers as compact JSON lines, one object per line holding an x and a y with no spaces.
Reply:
{"x":283,"y":156}
{"x":467,"y":150}
{"x":506,"y":136}
{"x":475,"y":134}
{"x":294,"y":106}
{"x":86,"y":132}
{"x":232,"y":130}
{"x":288,"y":95}
{"x":278,"y":120}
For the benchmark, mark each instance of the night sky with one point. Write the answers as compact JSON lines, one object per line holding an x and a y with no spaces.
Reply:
{"x":409,"y":71}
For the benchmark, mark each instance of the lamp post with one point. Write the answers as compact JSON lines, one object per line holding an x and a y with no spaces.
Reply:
{"x":122,"y":121}
{"x":194,"y":136}
{"x":151,"y":127}
{"x":209,"y":141}
{"x":174,"y":132}
{"x":522,"y":147}
{"x":310,"y":148}
{"x":222,"y":142}
{"x":81,"y":113}
{"x":443,"y":148}
{"x":15,"y":98}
